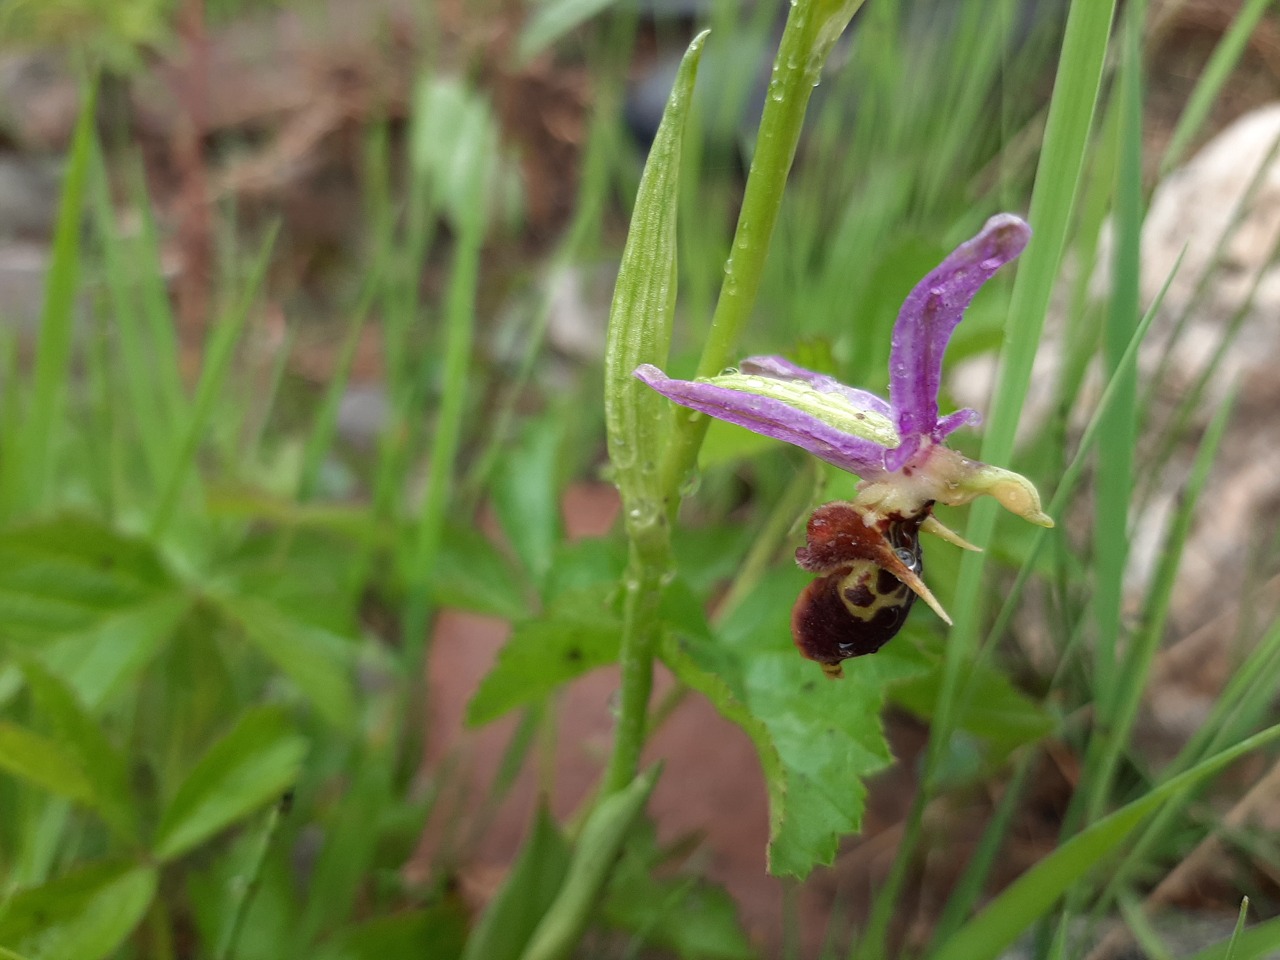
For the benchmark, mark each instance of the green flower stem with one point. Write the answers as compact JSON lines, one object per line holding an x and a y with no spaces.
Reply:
{"x":812,"y":28}
{"x":646,"y":575}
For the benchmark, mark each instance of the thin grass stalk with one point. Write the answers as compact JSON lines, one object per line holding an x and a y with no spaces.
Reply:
{"x":1117,"y":432}
{"x":1212,"y":79}
{"x":1067,"y":135}
{"x":145,"y":407}
{"x":44,"y":420}
{"x":1251,"y":685}
{"x":157,"y":311}
{"x":1138,"y":660}
{"x":460,"y":315}
{"x":222,"y":343}
{"x":968,"y":890}
{"x":324,"y":427}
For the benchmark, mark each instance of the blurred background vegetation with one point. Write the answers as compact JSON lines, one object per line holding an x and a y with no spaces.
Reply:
{"x":302,"y":316}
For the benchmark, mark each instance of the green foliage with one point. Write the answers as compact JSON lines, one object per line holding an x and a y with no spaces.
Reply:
{"x":214,"y":616}
{"x":818,"y":739}
{"x":252,"y":765}
{"x":84,"y":914}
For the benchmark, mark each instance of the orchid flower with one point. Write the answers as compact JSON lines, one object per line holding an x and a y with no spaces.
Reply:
{"x":866,"y":552}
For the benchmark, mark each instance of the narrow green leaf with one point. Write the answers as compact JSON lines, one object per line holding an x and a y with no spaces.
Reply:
{"x":44,"y":424}
{"x":82,"y":916}
{"x":431,"y":933}
{"x":318,"y":661}
{"x":579,"y":634}
{"x":528,"y":891}
{"x":551,"y":20}
{"x":224,"y":337}
{"x":1211,"y":81}
{"x":640,"y":318}
{"x":251,"y":766}
{"x":1033,"y":894}
{"x":44,"y":762}
{"x":594,"y":855}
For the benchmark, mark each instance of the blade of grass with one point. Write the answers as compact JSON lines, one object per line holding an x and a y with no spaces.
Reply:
{"x":222,"y":343}
{"x":45,"y":424}
{"x":1034,"y":893}
{"x":1067,"y":135}
{"x":1116,"y":437}
{"x":1211,"y":81}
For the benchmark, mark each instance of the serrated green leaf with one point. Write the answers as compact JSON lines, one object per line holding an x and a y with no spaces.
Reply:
{"x":78,"y":733}
{"x":529,"y":890}
{"x":437,"y":932}
{"x":251,"y":766}
{"x":83,"y":916}
{"x":317,"y":660}
{"x":817,"y":738}
{"x":684,"y":914}
{"x":581,"y":633}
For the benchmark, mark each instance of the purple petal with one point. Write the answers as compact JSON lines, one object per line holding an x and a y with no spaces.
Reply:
{"x":770,"y":418}
{"x":954,"y":421}
{"x":780,"y":368}
{"x":929,"y":317}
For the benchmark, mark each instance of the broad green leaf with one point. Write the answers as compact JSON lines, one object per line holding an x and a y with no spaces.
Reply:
{"x":101,"y":658}
{"x":579,"y":634}
{"x":438,"y":933}
{"x":471,"y":574}
{"x":817,"y":738}
{"x":317,"y":660}
{"x":69,"y":573}
{"x":103,"y":766}
{"x":251,"y":766}
{"x":683,"y":914}
{"x":514,"y":913}
{"x":44,"y":762}
{"x":83,"y":916}
{"x":1034,"y":893}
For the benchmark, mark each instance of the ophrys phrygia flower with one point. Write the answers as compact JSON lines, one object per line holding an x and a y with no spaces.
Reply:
{"x":866,"y":551}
